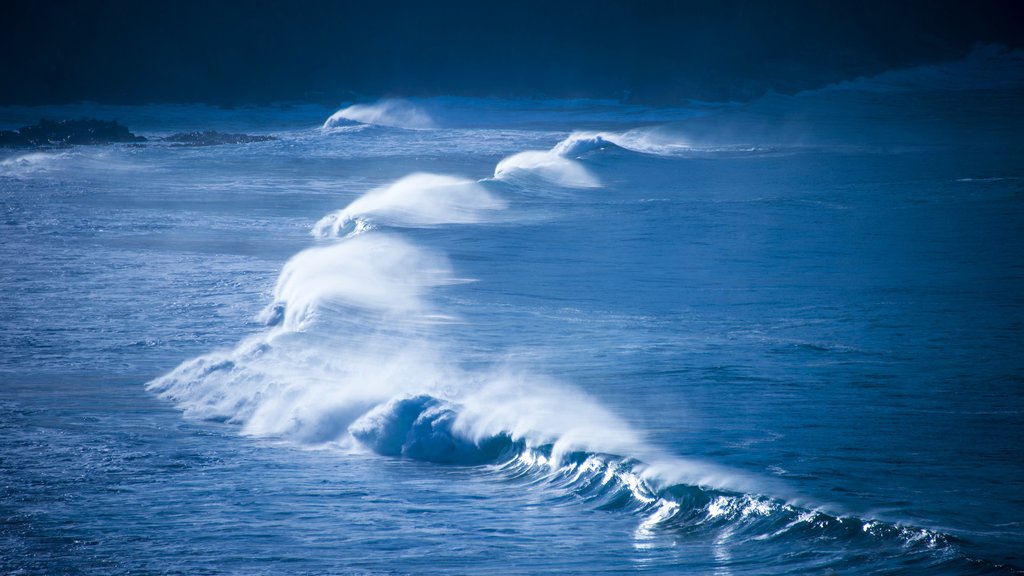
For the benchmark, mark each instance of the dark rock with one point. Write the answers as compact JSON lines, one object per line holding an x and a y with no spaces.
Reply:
{"x":213,"y":138}
{"x":68,"y":132}
{"x":11,"y":138}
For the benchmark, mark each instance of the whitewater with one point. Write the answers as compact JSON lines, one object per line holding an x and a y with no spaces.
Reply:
{"x":454,"y":335}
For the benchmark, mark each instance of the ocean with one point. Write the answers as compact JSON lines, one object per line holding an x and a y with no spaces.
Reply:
{"x":487,"y":336}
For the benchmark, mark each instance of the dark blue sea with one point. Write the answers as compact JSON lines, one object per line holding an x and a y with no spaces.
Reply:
{"x":485,"y":336}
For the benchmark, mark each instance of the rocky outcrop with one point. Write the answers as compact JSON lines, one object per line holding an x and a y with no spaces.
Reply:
{"x":68,"y":132}
{"x":213,"y":138}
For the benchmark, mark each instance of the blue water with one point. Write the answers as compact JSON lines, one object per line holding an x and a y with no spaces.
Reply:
{"x":485,"y":336}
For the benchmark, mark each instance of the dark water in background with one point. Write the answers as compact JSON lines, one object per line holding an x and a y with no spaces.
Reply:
{"x":779,"y":338}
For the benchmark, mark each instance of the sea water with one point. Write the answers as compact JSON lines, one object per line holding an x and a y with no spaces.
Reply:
{"x":481,"y":336}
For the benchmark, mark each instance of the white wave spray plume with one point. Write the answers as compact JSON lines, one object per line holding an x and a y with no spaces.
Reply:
{"x":547,"y":165}
{"x":417,"y":200}
{"x":390,"y":112}
{"x":382,"y":274}
{"x":345,"y":331}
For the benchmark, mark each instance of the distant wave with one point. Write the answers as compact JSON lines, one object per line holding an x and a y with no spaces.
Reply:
{"x":654,"y":141}
{"x":476,"y":112}
{"x":556,"y":165}
{"x":34,"y":164}
{"x":560,"y":164}
{"x":987,"y":67}
{"x":392,"y":113}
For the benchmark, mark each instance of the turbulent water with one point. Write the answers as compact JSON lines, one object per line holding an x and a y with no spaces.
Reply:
{"x":486,"y":336}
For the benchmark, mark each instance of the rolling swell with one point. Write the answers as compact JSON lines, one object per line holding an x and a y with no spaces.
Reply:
{"x":427,"y":428}
{"x":350,"y":357}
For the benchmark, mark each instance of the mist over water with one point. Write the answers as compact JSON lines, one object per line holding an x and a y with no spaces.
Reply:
{"x":421,"y":336}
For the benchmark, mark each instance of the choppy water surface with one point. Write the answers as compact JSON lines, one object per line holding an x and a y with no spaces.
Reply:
{"x":462,"y":336}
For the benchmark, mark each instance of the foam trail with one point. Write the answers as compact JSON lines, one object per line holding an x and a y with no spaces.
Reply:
{"x":392,"y":113}
{"x":417,"y":200}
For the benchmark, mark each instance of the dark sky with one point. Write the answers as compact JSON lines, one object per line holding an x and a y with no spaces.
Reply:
{"x":258,"y":51}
